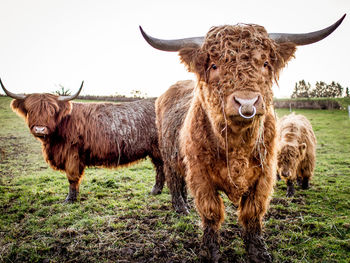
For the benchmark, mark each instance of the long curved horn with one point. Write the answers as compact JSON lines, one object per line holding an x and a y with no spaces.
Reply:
{"x":307,"y":38}
{"x":12,"y":95}
{"x":298,"y":39}
{"x":72,"y":97}
{"x":174,"y":44}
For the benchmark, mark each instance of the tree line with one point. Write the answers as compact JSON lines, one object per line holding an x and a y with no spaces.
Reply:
{"x":320,"y":90}
{"x":301,"y":90}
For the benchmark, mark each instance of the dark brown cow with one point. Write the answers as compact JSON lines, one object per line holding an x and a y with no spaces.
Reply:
{"x":219,"y":132}
{"x":76,"y":135}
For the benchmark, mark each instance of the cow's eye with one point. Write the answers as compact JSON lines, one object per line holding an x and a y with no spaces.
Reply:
{"x":213,"y":66}
{"x":266,"y":64}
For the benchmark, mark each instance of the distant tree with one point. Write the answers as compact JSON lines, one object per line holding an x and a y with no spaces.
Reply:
{"x":295,"y":91}
{"x":302,"y":90}
{"x":335,"y":90}
{"x":320,"y":90}
{"x":347,"y":93}
{"x":62,"y":91}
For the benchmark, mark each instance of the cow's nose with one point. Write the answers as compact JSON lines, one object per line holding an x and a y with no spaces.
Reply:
{"x":285,"y":173}
{"x":40,"y":130}
{"x":247,"y":107}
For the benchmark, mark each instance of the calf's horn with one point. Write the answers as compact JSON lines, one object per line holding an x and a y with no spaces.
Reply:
{"x":298,"y":39}
{"x":12,"y":95}
{"x":72,"y":97}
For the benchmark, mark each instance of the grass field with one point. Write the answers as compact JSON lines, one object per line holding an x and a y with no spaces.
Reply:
{"x":116,"y":220}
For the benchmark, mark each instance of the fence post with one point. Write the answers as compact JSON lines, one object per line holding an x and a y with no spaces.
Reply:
{"x":290,"y":107}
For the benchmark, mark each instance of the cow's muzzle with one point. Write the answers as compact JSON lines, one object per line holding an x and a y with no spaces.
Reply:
{"x":285,"y":174}
{"x":40,"y":131}
{"x":248,"y":107}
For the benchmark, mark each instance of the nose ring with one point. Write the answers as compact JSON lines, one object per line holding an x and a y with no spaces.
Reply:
{"x":246,"y":117}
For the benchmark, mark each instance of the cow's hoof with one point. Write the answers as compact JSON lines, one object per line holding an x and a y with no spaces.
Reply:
{"x":210,"y":251}
{"x":182,"y":210}
{"x":70,"y":200}
{"x":156,"y":190}
{"x":260,"y":258}
{"x":290,"y":194}
{"x":180,"y":206}
{"x":256,"y":250}
{"x":209,"y":257}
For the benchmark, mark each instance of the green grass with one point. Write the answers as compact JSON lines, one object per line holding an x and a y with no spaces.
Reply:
{"x":117,"y":220}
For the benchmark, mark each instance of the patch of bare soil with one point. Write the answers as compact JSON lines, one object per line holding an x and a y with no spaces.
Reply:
{"x":16,"y":150}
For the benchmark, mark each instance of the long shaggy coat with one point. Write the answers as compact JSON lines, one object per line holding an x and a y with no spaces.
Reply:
{"x":296,"y":151}
{"x":207,"y":144}
{"x":92,"y":134}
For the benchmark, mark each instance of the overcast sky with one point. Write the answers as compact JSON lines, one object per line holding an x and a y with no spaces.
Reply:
{"x":45,"y":43}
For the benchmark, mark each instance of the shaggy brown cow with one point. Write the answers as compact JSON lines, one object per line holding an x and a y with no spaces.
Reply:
{"x":296,"y":156}
{"x":76,"y":135}
{"x":219,"y":132}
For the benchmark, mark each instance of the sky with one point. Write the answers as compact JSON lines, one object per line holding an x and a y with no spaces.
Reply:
{"x":47,"y":43}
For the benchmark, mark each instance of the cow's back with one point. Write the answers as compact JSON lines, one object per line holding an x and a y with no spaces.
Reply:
{"x":171,"y":110}
{"x":296,"y":127}
{"x":109,"y":134}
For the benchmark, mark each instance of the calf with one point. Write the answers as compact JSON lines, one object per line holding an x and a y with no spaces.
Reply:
{"x":296,"y":151}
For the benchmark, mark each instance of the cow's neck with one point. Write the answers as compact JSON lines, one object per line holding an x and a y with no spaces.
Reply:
{"x":225,"y":137}
{"x":60,"y":134}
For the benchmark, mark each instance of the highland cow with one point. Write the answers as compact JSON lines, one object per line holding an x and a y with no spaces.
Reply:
{"x":218,"y":134}
{"x":77,"y":135}
{"x":296,"y":156}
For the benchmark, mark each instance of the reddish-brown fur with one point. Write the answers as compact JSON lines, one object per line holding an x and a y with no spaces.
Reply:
{"x":92,"y":134}
{"x":296,"y":151}
{"x":206,"y":143}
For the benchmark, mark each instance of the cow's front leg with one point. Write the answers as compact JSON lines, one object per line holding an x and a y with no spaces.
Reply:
{"x":305,"y":183}
{"x":251,"y":210}
{"x":211,"y":209}
{"x":74,"y":172}
{"x":210,"y":251}
{"x":305,"y":175}
{"x":73,"y":191}
{"x":290,"y":188}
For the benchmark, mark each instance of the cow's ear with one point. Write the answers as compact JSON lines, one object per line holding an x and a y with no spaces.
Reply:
{"x":194,"y":59}
{"x":18,"y":107}
{"x":286,"y":52}
{"x":65,"y":109}
{"x":302,"y":148}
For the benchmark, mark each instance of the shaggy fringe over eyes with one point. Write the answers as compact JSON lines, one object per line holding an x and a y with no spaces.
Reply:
{"x":286,"y":154}
{"x":231,"y":47}
{"x":50,"y":106}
